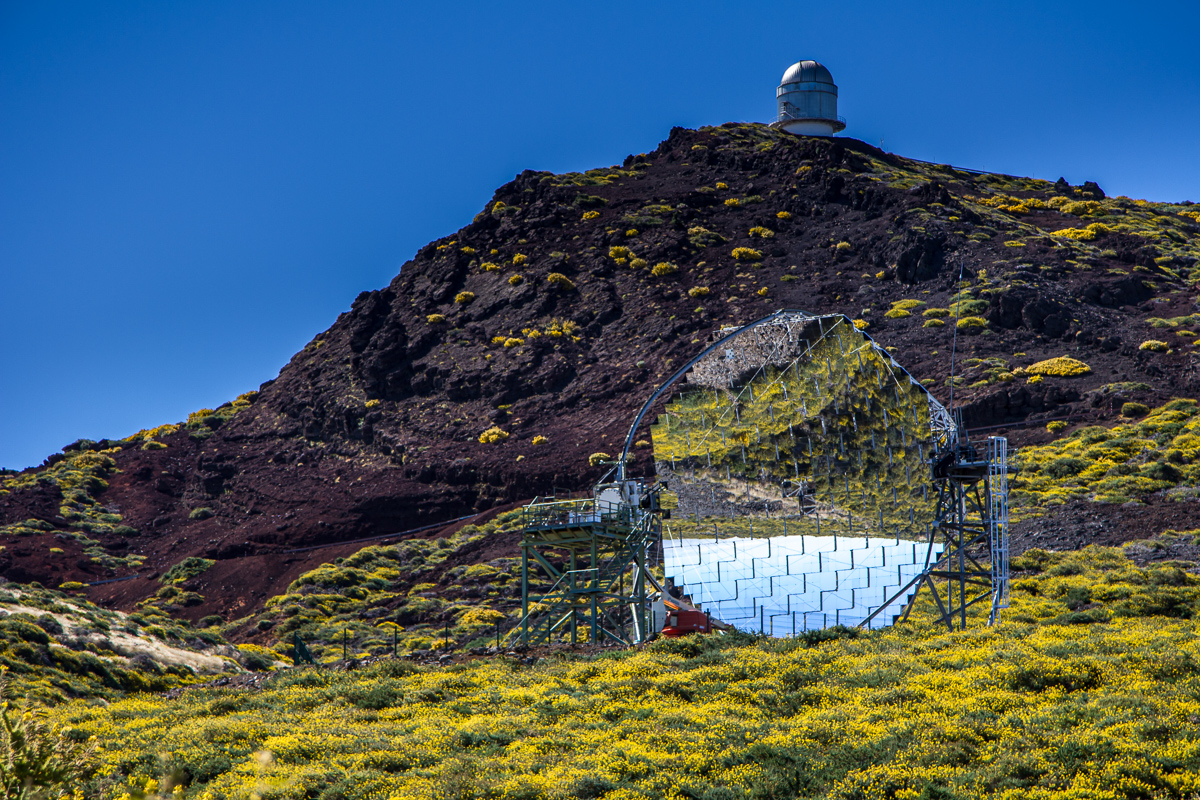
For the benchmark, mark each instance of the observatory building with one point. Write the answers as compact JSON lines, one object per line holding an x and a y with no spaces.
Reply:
{"x":807,"y":99}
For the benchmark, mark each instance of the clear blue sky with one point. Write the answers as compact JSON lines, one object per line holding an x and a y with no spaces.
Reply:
{"x":190,"y":191}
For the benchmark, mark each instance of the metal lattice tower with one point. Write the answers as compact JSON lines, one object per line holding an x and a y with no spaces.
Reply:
{"x":998,"y":522}
{"x":594,"y":552}
{"x":971,"y":524}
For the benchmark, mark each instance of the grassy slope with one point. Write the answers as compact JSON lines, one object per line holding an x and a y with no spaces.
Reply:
{"x":54,"y":647}
{"x":1158,"y":453}
{"x":1089,"y":688}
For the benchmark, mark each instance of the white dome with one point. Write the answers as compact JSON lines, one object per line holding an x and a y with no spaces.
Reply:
{"x":807,"y":72}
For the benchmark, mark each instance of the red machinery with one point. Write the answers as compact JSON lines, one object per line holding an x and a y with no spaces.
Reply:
{"x":681,"y":622}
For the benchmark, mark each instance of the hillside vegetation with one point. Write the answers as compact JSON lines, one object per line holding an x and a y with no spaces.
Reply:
{"x":1090,"y":687}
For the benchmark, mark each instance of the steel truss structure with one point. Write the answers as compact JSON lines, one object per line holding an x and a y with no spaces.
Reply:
{"x":971,"y":522}
{"x":594,"y":554}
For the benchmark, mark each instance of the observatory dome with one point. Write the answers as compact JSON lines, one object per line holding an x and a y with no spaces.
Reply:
{"x":807,"y":99}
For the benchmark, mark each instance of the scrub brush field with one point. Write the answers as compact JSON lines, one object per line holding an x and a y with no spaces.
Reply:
{"x":1090,"y":687}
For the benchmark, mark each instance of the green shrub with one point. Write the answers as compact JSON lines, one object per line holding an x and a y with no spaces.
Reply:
{"x":187,"y":569}
{"x":36,"y":759}
{"x":561,"y":281}
{"x":967,"y":307}
{"x":1134,"y":410}
{"x":972,"y":323}
{"x":700,"y":237}
{"x":200,"y":513}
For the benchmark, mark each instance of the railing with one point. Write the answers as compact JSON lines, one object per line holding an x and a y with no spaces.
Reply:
{"x":565,"y":513}
{"x":785,"y":116}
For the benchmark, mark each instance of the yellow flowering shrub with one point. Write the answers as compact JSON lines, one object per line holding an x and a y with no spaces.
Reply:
{"x":732,"y":201}
{"x":783,"y":214}
{"x":1009,"y":204}
{"x":638,"y":263}
{"x":480,"y":616}
{"x":489,"y":266}
{"x":933,"y":323}
{"x":591,"y":215}
{"x":746,"y":254}
{"x":902,"y":308}
{"x":435,"y":319}
{"x":761,"y":232}
{"x":1086,"y":234}
{"x":519,"y":259}
{"x":516,"y":280}
{"x":493,"y":435}
{"x":663,"y":268}
{"x":1155,"y":346}
{"x":595,"y":459}
{"x":1058,"y":367}
{"x":699,"y":291}
{"x":560,"y":281}
{"x":464,"y":298}
{"x":861,"y":324}
{"x":540,"y":440}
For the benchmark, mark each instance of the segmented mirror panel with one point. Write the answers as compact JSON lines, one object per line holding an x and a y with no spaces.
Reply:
{"x":796,"y":454}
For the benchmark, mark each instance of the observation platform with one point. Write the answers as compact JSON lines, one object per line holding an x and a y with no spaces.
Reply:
{"x":576,"y":524}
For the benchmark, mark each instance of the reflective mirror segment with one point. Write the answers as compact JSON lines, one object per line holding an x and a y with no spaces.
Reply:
{"x":796,"y":459}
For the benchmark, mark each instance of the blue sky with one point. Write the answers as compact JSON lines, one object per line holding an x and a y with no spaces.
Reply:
{"x":189,"y":192}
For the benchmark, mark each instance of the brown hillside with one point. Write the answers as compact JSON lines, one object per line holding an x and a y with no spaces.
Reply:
{"x":374,"y":428}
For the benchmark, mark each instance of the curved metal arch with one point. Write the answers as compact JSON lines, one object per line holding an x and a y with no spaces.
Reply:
{"x":941,"y":422}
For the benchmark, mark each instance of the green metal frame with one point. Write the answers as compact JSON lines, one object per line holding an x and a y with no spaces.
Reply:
{"x":599,"y":545}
